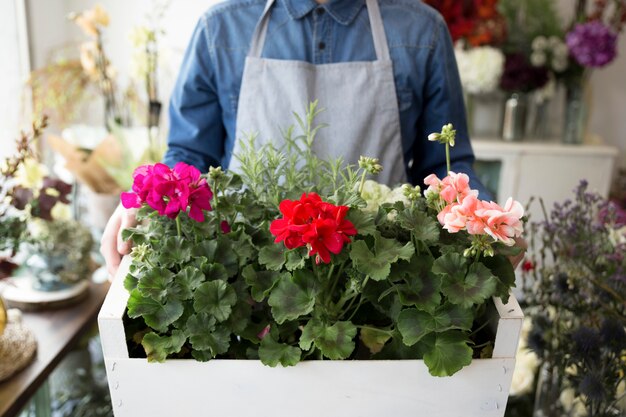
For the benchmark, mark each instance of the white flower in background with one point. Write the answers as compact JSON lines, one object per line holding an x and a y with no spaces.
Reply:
{"x":374,"y":194}
{"x":61,"y":211}
{"x":88,"y":53}
{"x":526,"y":364}
{"x":31,"y":174}
{"x":480,"y":68}
{"x":571,"y":404}
{"x":37,"y":228}
{"x":551,"y":52}
{"x":617,"y":236}
{"x":395,"y":195}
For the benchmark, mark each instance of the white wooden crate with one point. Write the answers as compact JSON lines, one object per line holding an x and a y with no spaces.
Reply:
{"x":241,"y":388}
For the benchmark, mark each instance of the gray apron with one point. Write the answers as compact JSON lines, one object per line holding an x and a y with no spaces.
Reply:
{"x":359,"y":98}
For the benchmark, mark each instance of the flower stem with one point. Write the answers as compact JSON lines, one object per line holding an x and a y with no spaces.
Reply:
{"x":362,"y":184}
{"x":178,"y":226}
{"x":448,"y":157}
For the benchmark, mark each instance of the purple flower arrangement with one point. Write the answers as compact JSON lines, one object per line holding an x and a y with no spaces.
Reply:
{"x":520,"y":75}
{"x":592,"y":44}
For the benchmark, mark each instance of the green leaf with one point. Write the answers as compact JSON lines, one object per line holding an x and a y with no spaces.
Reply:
{"x":377,"y":264}
{"x":272,"y":257}
{"x":296,"y":259}
{"x":216,"y":272}
{"x":478,"y":285}
{"x":155,"y":283}
{"x":272,"y":353}
{"x":159,"y":347}
{"x":130,"y":282}
{"x":450,"y":266}
{"x":175,"y":251}
{"x":215,"y":298}
{"x":204,"y":335}
{"x":290,"y":301}
{"x":261,"y":282}
{"x":337,"y":341}
{"x":156,"y":315}
{"x":374,"y":339}
{"x":423,"y":227}
{"x":218,"y":251}
{"x":363,"y":222}
{"x":422,"y":288}
{"x":186,"y":282}
{"x":501,"y":267}
{"x":448,"y":353}
{"x":310,"y":331}
{"x":414,"y":324}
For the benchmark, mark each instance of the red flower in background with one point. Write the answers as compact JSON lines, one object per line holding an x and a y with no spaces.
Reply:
{"x":311,"y":222}
{"x":169,"y":191}
{"x":476,"y":21}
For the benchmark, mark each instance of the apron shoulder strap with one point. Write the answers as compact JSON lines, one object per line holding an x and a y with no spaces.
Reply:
{"x":376,"y":23}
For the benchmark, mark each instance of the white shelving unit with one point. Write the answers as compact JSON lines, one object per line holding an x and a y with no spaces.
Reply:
{"x":548,"y":169}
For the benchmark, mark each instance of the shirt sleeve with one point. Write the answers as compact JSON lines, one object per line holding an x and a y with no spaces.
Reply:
{"x":196,"y":135}
{"x":443,"y":104}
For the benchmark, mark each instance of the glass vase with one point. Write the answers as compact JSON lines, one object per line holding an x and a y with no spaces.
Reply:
{"x":514,"y":117}
{"x":575,"y":114}
{"x":547,"y":396}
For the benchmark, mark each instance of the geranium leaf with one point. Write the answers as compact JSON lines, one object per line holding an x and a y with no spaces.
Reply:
{"x":296,"y":259}
{"x":447,"y":353}
{"x":204,"y":335}
{"x":216,"y":272}
{"x":310,"y":331}
{"x":272,"y":257}
{"x":226,"y":256}
{"x":377,"y":264}
{"x":159,"y":347}
{"x":414,"y":324}
{"x":156,"y":315}
{"x":272,"y":353}
{"x":450,"y":266}
{"x":374,"y":339}
{"x":175,"y":251}
{"x":215,"y":298}
{"x":130,"y":282}
{"x":186,"y":282}
{"x":477,"y":285}
{"x":460,"y":318}
{"x":363,"y":222}
{"x":422,"y":288}
{"x":336,"y":341}
{"x":261,"y":282}
{"x":423,"y":227}
{"x":155,"y":283}
{"x":290,"y":301}
{"x":503,"y":270}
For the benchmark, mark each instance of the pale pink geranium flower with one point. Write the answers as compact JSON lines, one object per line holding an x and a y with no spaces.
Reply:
{"x":501,"y":223}
{"x":455,"y":217}
{"x":456,"y":187}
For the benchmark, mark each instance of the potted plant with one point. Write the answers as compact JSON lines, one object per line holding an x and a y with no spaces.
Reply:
{"x":289,"y":263}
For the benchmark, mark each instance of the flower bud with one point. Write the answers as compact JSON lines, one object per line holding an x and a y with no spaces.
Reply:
{"x":370,"y":165}
{"x":216,"y":173}
{"x":412,"y":193}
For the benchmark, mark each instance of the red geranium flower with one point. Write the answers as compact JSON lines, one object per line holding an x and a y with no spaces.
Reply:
{"x":311,"y":222}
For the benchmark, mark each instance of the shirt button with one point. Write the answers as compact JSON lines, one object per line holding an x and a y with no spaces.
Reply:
{"x":321,"y":45}
{"x":320,"y":11}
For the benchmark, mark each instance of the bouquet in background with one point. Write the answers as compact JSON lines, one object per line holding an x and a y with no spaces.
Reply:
{"x":300,"y":258}
{"x":576,"y":285}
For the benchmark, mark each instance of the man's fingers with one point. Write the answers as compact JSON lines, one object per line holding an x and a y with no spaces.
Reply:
{"x":108,"y":244}
{"x":128,"y":219}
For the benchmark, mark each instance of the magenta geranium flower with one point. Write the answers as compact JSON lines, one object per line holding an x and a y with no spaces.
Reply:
{"x":169,"y":191}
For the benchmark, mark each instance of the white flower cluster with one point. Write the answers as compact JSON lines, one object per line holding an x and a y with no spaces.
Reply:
{"x":376,"y":194}
{"x":526,"y":364}
{"x":480,"y":68}
{"x":551,"y":52}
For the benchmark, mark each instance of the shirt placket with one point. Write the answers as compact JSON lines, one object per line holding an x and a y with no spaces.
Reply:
{"x":321,"y":36}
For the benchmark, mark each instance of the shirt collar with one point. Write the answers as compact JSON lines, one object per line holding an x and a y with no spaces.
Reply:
{"x":343,"y":11}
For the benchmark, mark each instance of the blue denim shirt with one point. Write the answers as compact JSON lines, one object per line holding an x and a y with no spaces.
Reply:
{"x":203,"y":105}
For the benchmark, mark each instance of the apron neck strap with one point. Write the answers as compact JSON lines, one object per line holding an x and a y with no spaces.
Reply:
{"x":376,"y":23}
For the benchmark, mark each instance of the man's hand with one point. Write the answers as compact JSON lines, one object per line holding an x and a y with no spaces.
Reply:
{"x":112,"y":246}
{"x":520,"y":242}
